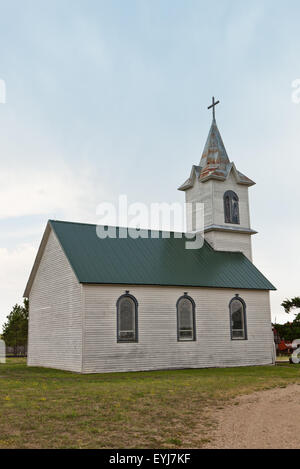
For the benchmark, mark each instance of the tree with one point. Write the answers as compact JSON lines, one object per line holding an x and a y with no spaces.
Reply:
{"x":290,"y":304}
{"x":290,"y":330}
{"x":15,"y":330}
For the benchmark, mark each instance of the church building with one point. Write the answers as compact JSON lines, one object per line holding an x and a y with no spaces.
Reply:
{"x":123,"y":304}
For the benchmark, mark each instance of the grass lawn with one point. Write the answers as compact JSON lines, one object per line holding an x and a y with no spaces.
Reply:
{"x":44,"y":408}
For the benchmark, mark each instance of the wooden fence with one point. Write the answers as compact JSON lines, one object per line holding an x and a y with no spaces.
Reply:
{"x":16,"y":351}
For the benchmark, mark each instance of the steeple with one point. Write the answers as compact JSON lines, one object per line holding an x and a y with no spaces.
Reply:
{"x":214,"y":160}
{"x":223,"y":191}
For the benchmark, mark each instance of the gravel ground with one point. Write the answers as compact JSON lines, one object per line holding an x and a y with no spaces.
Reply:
{"x":265,"y":419}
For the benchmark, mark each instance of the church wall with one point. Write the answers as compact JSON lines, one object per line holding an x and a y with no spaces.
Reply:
{"x":223,"y":241}
{"x":201,"y":193}
{"x":55,"y":312}
{"x":158,"y":347}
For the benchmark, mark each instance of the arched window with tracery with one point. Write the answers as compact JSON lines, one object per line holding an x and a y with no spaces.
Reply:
{"x":231,"y":208}
{"x":186,"y":327}
{"x":127,"y":318}
{"x":238,"y":326}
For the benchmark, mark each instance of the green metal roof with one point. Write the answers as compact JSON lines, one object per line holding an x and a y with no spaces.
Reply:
{"x":150,"y":261}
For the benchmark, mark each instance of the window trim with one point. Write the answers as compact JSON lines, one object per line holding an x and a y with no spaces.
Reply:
{"x":136,"y":339}
{"x":237,"y":297}
{"x":186,"y":296}
{"x":231,"y":194}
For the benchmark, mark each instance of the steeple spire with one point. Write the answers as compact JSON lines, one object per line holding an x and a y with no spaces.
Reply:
{"x":214,"y":158}
{"x":214,"y":155}
{"x":214,"y":163}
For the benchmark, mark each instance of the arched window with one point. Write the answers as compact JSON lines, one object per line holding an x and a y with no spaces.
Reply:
{"x":231,"y":208}
{"x":186,"y":329}
{"x":127,"y":318}
{"x":238,"y":326}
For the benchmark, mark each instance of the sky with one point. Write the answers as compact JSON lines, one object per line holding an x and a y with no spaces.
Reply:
{"x":108,"y":98}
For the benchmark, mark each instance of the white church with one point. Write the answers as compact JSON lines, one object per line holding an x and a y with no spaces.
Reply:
{"x":111,"y":305}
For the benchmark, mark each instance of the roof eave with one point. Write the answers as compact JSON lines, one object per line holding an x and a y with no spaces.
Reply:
{"x":183,"y":285}
{"x":239,"y":176}
{"x":195,"y":172}
{"x":231,"y":229}
{"x":37,"y":260}
{"x":185,"y":186}
{"x":245,"y":183}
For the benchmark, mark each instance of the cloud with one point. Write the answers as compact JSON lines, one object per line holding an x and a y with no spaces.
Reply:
{"x":20,"y":232}
{"x":34,"y":192}
{"x":28,"y":196}
{"x":15,"y":268}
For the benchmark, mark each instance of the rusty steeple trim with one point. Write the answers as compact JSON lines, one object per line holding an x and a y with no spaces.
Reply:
{"x":214,"y":156}
{"x":214,"y":162}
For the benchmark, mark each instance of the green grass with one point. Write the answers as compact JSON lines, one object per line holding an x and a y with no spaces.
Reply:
{"x":45,"y":408}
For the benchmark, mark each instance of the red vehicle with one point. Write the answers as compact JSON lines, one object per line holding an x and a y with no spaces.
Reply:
{"x":285,"y":347}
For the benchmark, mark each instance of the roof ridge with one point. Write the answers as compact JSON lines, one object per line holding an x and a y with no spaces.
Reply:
{"x":115,"y":226}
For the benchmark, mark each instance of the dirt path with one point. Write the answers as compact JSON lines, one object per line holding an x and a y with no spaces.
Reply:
{"x":265,"y":419}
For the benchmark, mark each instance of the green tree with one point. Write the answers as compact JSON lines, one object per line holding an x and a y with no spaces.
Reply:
{"x":15,"y":330}
{"x":290,"y":304}
{"x":290,"y":330}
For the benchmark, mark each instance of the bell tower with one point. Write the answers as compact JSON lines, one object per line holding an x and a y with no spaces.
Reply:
{"x":223,"y":190}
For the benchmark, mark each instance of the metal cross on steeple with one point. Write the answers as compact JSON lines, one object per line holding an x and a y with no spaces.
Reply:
{"x":212,"y":106}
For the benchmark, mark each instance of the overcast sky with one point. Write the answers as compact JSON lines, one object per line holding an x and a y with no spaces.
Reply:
{"x":109,"y":97}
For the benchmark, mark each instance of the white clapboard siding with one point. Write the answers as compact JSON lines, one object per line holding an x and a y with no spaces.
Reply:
{"x":55,"y":312}
{"x":211,"y":194}
{"x":200,"y":193}
{"x":158,"y":347}
{"x":224,"y":241}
